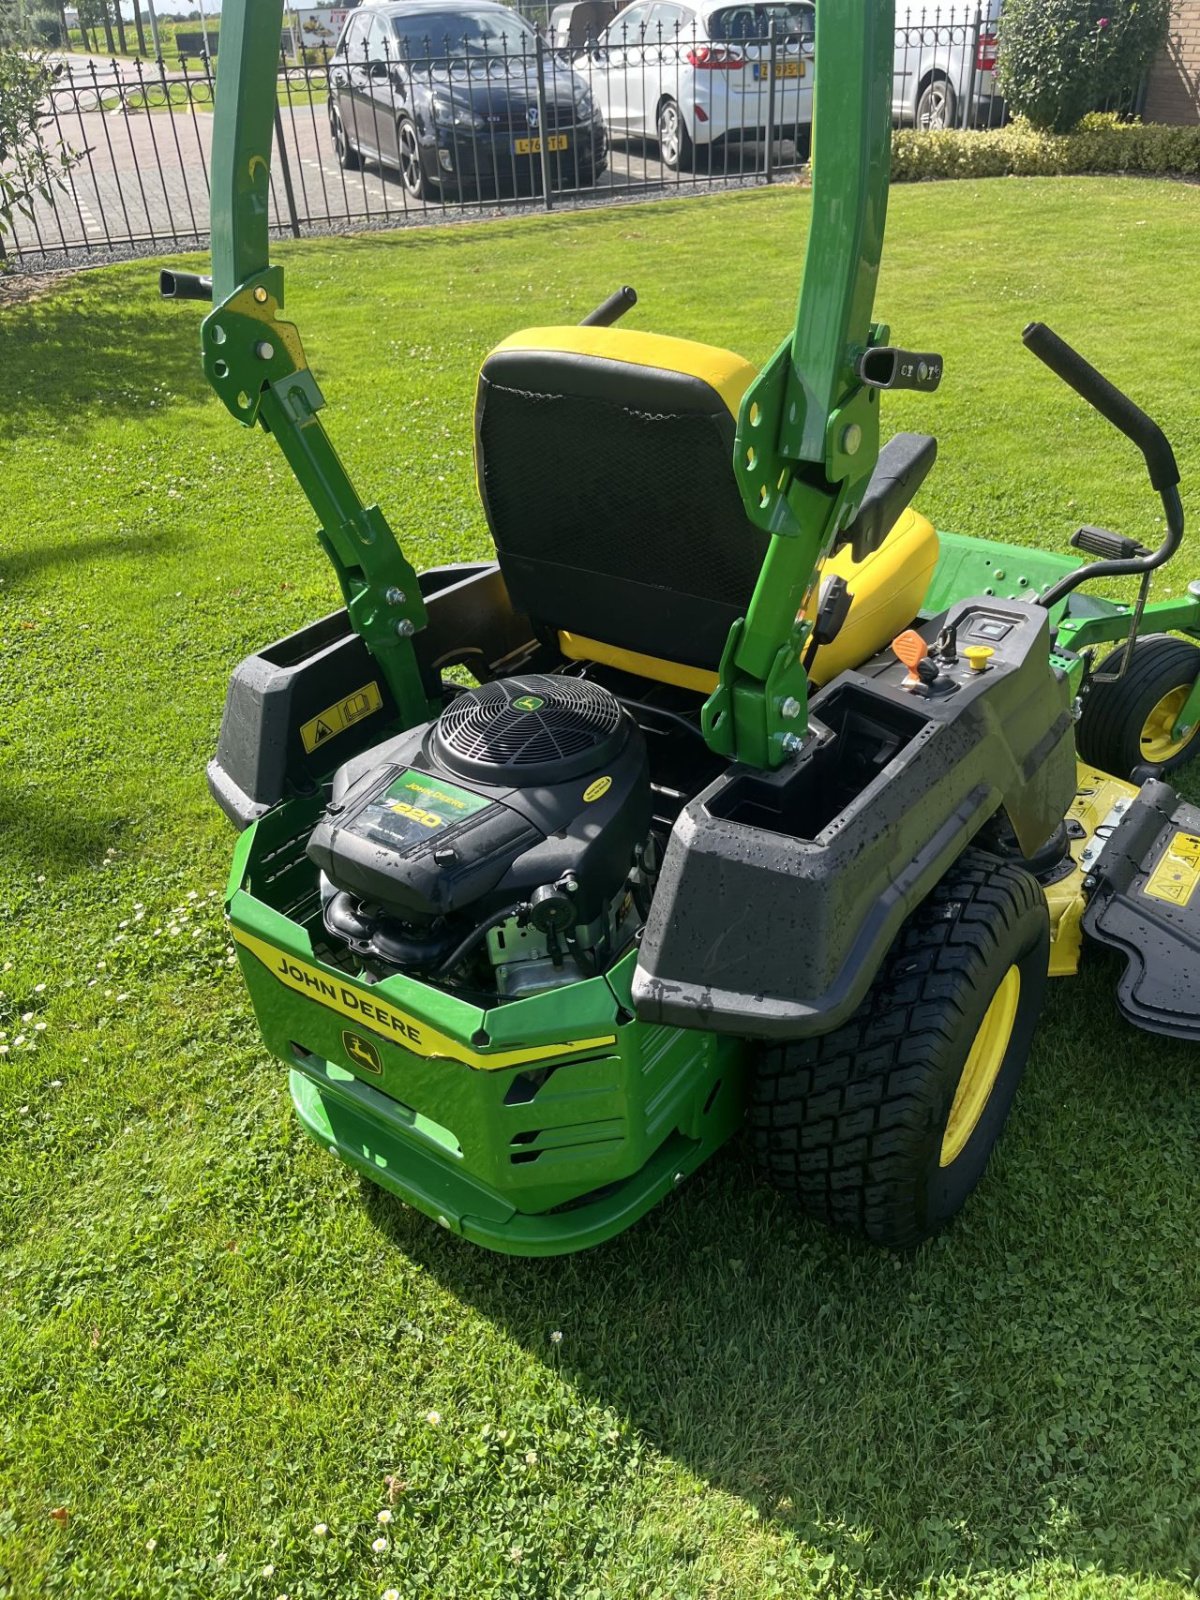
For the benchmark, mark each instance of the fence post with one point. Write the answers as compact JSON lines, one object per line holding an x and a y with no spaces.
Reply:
{"x":976,"y":33}
{"x":543,"y":125}
{"x":772,"y":39}
{"x":285,"y":168}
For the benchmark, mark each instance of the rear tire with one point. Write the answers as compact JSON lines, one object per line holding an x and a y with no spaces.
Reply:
{"x":883,"y":1127}
{"x":412,"y":163}
{"x":1127,"y":725}
{"x":937,"y":106}
{"x":674,"y":141}
{"x":348,"y":157}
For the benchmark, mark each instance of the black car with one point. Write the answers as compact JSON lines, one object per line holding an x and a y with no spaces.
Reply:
{"x":447,"y":93}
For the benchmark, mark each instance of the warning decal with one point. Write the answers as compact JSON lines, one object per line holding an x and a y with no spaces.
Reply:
{"x":336,"y":719}
{"x":377,"y":1016}
{"x":1175,"y":877}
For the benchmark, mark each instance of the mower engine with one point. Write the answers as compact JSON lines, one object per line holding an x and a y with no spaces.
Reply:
{"x":505,"y":846}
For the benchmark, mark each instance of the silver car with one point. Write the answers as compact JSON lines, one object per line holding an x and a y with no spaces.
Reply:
{"x":945,"y":72}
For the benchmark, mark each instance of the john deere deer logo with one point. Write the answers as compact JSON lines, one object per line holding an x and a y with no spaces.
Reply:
{"x":362,"y":1052}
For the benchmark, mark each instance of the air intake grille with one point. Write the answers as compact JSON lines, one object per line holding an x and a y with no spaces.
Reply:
{"x":533,"y":729}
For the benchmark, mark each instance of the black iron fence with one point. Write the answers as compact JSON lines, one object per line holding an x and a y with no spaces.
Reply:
{"x":400,"y":126}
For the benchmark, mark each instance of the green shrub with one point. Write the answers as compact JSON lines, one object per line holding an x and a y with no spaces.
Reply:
{"x":45,"y":30}
{"x":1101,"y":143}
{"x":1060,"y":59}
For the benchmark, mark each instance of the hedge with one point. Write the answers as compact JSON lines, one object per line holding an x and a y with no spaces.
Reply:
{"x":1101,"y":143}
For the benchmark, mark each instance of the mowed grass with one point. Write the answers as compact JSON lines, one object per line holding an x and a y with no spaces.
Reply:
{"x":213,"y":1340}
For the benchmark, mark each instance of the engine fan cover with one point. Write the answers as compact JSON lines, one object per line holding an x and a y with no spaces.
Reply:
{"x":533,"y":729}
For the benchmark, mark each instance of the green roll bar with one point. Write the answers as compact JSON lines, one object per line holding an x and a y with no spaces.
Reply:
{"x":808,"y":433}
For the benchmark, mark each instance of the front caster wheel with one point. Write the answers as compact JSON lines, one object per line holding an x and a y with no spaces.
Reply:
{"x":1130,"y":723}
{"x":883,"y":1127}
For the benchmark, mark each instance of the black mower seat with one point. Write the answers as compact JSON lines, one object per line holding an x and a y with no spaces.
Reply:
{"x":604,"y":458}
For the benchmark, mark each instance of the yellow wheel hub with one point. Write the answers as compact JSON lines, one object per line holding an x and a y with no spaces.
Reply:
{"x":1157,"y":737}
{"x":983,"y":1064}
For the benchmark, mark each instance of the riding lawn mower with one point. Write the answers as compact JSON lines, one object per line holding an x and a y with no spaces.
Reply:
{"x":729,"y":790}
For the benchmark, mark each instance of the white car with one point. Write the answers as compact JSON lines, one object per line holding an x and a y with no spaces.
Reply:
{"x":711,"y":73}
{"x":945,"y":72}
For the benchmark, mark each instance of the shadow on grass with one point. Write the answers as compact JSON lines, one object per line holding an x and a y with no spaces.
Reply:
{"x":19,"y":564}
{"x":96,"y":344}
{"x":1018,"y":1391}
{"x":49,"y":834}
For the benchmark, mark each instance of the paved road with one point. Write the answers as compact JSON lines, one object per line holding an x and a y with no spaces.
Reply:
{"x":144,"y":176}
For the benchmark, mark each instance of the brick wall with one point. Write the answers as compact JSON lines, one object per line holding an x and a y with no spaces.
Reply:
{"x":1173,"y":90}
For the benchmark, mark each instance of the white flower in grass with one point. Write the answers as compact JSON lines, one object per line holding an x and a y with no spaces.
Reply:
{"x":321,"y":1529}
{"x":39,"y":1027}
{"x":531,"y":1458}
{"x":556,"y":1337}
{"x":3,"y":1049}
{"x":19,"y":1040}
{"x":379,"y":1545}
{"x":222,"y":1557}
{"x":39,"y":988}
{"x":431,"y":1417}
{"x":152,"y":1545}
{"x":516,"y":1555}
{"x":41,"y":877}
{"x":123,"y":996}
{"x":27,"y":1016}
{"x":384,"y":1516}
{"x":268,"y":1571}
{"x":390,"y":1594}
{"x":56,"y":1083}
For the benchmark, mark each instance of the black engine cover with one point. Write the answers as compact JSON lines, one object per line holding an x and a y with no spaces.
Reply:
{"x":518,"y":782}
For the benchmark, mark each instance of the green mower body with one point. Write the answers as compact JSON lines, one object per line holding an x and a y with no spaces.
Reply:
{"x":743,"y":864}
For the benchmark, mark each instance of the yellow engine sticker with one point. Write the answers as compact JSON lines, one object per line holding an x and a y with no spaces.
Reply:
{"x":597,"y":790}
{"x":1175,"y":877}
{"x":336,"y":719}
{"x":371,"y":1012}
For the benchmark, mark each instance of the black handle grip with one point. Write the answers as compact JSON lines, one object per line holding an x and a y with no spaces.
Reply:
{"x":184,"y":286}
{"x":611,"y":310}
{"x":1108,"y":545}
{"x":1108,"y":400}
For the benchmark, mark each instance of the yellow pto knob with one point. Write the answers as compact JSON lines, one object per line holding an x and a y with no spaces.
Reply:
{"x":978,"y":656}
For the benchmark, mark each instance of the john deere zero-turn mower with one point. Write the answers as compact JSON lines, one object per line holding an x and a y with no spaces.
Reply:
{"x":765,"y":799}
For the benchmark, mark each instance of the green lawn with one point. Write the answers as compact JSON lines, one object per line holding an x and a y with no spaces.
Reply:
{"x":296,"y":92}
{"x":213,"y":1341}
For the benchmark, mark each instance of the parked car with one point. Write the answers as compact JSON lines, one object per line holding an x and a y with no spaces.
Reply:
{"x":697,"y":73}
{"x":446,"y":92}
{"x":945,"y":69}
{"x":575,"y":23}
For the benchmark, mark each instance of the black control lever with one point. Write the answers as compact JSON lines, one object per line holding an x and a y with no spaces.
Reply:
{"x":1108,"y":400}
{"x":886,"y":367}
{"x":1144,"y":432}
{"x":184,"y":285}
{"x":611,"y":310}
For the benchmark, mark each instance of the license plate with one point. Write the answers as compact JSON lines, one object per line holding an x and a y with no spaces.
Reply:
{"x":533,"y":147}
{"x":783,"y":69}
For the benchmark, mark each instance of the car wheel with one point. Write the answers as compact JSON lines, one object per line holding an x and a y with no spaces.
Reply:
{"x":936,"y":106}
{"x":347,"y":156}
{"x":674,"y":141}
{"x":412,"y":163}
